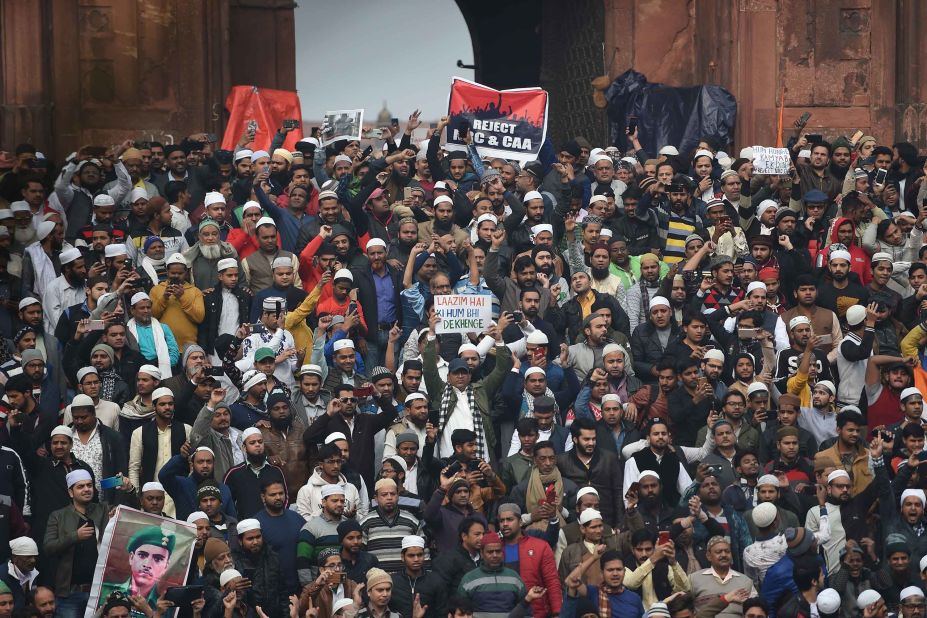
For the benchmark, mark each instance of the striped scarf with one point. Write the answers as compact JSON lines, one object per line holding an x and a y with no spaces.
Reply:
{"x":605,"y":608}
{"x":447,"y":410}
{"x":645,"y":298}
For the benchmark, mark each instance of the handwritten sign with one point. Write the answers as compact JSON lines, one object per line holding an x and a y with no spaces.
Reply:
{"x":463,"y":313}
{"x":771,"y":161}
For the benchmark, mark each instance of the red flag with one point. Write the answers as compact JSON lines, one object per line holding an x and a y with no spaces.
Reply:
{"x":268,"y":108}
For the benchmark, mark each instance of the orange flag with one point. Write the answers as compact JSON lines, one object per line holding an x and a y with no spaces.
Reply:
{"x":779,"y":124}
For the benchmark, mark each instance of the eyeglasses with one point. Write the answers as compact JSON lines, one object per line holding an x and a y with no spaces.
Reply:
{"x":349,"y":400}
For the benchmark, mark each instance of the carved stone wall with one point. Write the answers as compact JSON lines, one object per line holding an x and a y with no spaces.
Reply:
{"x":107,"y":70}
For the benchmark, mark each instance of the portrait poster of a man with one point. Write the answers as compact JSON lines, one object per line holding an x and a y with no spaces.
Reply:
{"x":141,"y":555}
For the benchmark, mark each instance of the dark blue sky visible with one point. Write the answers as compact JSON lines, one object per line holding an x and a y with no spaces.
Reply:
{"x":358,"y":53}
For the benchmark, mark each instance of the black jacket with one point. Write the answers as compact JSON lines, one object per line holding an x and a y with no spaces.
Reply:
{"x":573,"y":315}
{"x":646,"y":349}
{"x":452,"y":565}
{"x":367,"y":297}
{"x":209,"y":328}
{"x":429,"y":587}
{"x":268,"y":586}
{"x":604,"y":473}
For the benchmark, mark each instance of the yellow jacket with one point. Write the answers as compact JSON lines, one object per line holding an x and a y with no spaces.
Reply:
{"x":296,"y":320}
{"x":183,"y":315}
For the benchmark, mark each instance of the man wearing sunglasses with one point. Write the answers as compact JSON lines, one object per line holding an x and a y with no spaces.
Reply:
{"x":360,"y":429}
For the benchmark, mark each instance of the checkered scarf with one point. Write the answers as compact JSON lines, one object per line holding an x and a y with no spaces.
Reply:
{"x":447,"y":410}
{"x":645,"y":297}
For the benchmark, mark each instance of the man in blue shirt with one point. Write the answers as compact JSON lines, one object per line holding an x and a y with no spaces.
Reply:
{"x":281,"y":528}
{"x":621,"y":602}
{"x":378,"y":288}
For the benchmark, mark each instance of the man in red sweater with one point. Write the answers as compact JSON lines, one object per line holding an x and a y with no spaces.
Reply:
{"x":532,"y":558}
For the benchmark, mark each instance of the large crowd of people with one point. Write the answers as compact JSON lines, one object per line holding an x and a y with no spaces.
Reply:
{"x":700,"y":395}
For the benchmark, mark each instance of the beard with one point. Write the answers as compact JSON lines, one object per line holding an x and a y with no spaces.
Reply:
{"x":281,"y":424}
{"x":443,"y":226}
{"x":24,"y":235}
{"x":650,"y":503}
{"x":599,"y":273}
{"x":405,"y":244}
{"x":256,"y":460}
{"x":547,"y":269}
{"x":838,"y":276}
{"x":211,"y":252}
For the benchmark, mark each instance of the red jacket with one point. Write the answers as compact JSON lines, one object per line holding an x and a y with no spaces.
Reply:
{"x":859,"y":259}
{"x":537,"y":567}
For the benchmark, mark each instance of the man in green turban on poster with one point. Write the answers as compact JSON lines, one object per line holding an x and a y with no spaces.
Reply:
{"x":149,"y":554}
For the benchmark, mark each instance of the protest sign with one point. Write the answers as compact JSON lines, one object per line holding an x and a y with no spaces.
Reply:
{"x":463,"y":313}
{"x":510,"y":124}
{"x":268,"y":109}
{"x":342,"y":124}
{"x":141,"y":554}
{"x":771,"y":161}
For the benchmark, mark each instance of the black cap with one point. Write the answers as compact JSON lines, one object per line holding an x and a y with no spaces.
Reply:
{"x":544,"y":404}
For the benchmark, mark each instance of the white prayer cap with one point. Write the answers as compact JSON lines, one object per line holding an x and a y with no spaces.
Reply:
{"x":341,"y":344}
{"x":828,"y":385}
{"x":138,"y":297}
{"x":19,"y":206}
{"x":335,"y":436}
{"x":115,"y":250}
{"x":597,"y":198}
{"x":259,"y":154}
{"x":917,"y":493}
{"x":29,"y":300}
{"x":204,"y":449}
{"x":911,"y":390}
{"x":533,"y":370}
{"x":213,"y":197}
{"x":247,"y":525}
{"x":343,"y":157}
{"x":152,"y":486}
{"x":442,"y":199}
{"x":542,"y":227}
{"x":768,"y":479}
{"x":610,"y":397}
{"x":332,"y":489}
{"x":150,"y":370}
{"x":5,"y":213}
{"x":839,"y":473}
{"x":310,"y":370}
{"x":487,"y":216}
{"x":82,"y":401}
{"x":62,"y":430}
{"x":669,"y":150}
{"x":249,"y":205}
{"x":414,"y":397}
{"x":328,"y":195}
{"x":272,"y":302}
{"x":756,"y":387}
{"x":468,"y":347}
{"x":611,"y":348}
{"x":84,"y":372}
{"x":766,"y":205}
{"x":412,"y":540}
{"x":828,"y":601}
{"x":606,"y":232}
{"x":659,"y":301}
{"x":282,"y":262}
{"x":138,"y":193}
{"x":244,"y":153}
{"x":340,"y":604}
{"x":595,"y":158}
{"x":910,"y":591}
{"x":867,"y":598}
{"x":226,"y":263}
{"x":647,"y":473}
{"x":69,"y":255}
{"x":250,"y":431}
{"x":104,"y":199}
{"x":537,"y":338}
{"x":582,"y":491}
{"x":177,"y":258}
{"x":255,"y":379}
{"x":703,"y":153}
{"x":588,"y":515}
{"x":881,"y":256}
{"x":162,"y":392}
{"x":798,"y":320}
{"x":265,"y":221}
{"x":756,"y":285}
{"x":839,"y":254}
{"x":76,"y":476}
{"x":343,"y":273}
{"x":229,"y":574}
{"x":45,"y":228}
{"x":24,"y":546}
{"x":714,"y":354}
{"x":764,"y":514}
{"x":532,"y":195}
{"x":746,"y":153}
{"x":375,"y":242}
{"x":923,"y":564}
{"x":196,"y":516}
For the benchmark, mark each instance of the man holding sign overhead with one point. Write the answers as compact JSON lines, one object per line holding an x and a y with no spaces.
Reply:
{"x":461,"y":403}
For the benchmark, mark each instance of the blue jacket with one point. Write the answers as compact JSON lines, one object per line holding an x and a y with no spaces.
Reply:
{"x":181,"y":487}
{"x":19,"y":597}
